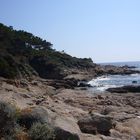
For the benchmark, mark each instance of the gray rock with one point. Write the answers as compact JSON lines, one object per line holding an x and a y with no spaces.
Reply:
{"x":134,"y":82}
{"x":62,"y":134}
{"x":96,"y":123}
{"x":125,"y":89}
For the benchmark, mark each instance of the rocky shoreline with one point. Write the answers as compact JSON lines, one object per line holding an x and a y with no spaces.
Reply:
{"x":44,"y":94}
{"x":79,"y":78}
{"x":79,"y":114}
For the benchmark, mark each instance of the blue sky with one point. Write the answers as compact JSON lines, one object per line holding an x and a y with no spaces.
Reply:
{"x":105,"y":30}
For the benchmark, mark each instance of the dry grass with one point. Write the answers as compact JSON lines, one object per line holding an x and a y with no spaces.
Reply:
{"x":22,"y":136}
{"x":26,"y":111}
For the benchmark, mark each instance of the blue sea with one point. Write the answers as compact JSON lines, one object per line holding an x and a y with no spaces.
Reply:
{"x":109,"y":81}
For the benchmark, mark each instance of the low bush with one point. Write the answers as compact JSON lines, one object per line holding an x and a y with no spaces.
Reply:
{"x":41,"y":131}
{"x":8,"y":117}
{"x":8,"y":67}
{"x":30,"y":116}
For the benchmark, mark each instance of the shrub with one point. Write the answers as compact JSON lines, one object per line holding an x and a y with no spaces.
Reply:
{"x":28,"y":117}
{"x":41,"y":131}
{"x":7,"y":67}
{"x":22,"y":136}
{"x":8,"y":117}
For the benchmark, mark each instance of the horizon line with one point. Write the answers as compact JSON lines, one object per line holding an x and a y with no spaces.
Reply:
{"x":117,"y":62}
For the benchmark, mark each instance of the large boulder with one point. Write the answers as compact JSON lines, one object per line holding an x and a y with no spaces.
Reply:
{"x":96,"y":123}
{"x":62,"y":134}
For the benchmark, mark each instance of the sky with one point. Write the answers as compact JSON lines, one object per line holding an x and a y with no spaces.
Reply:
{"x":104,"y":30}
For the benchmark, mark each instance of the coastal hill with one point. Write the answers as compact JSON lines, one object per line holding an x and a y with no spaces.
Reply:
{"x":23,"y":55}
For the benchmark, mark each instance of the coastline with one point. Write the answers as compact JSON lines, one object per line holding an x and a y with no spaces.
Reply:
{"x":72,"y":109}
{"x":43,"y":92}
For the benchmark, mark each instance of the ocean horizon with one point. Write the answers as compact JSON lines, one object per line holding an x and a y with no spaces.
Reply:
{"x":120,"y":63}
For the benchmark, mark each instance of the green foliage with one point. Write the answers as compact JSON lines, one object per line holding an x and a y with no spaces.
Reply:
{"x":7,"y":67}
{"x":22,"y":53}
{"x":9,"y":128}
{"x":8,"y":117}
{"x":40,"y":131}
{"x":8,"y":111}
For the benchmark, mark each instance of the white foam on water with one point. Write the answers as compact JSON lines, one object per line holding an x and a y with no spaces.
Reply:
{"x":95,"y":82}
{"x":104,"y":82}
{"x":135,"y":75}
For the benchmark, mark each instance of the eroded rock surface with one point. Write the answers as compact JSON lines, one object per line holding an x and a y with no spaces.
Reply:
{"x":76,"y":113}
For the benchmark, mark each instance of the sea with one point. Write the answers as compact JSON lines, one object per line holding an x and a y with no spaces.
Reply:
{"x":100,"y":84}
